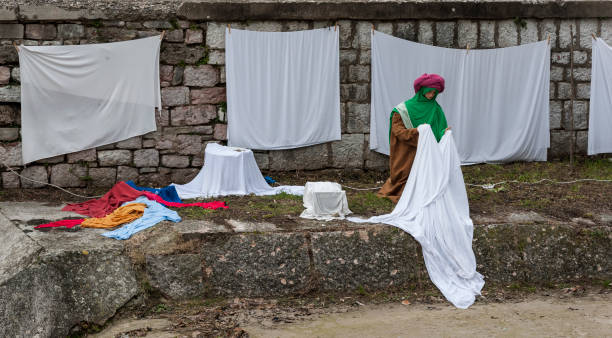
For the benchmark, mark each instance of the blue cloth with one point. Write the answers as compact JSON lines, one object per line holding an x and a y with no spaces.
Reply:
{"x":167,"y":193}
{"x":269,"y":180}
{"x":153,"y":214}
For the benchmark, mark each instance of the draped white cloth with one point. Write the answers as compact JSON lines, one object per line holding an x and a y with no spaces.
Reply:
{"x":496,"y":100}
{"x":600,"y":111}
{"x":324,"y":201}
{"x":83,"y":96}
{"x":283,"y":88}
{"x":434,"y":209}
{"x":230,"y":171}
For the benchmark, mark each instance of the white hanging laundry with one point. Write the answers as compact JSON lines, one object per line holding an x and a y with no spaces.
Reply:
{"x":283,"y":88}
{"x":600,"y":111}
{"x":83,"y":96}
{"x":230,"y":171}
{"x":324,"y":201}
{"x":434,"y":209}
{"x":495,"y":100}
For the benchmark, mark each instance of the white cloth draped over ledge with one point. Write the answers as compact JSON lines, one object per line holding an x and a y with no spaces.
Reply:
{"x":283,"y":88}
{"x":434,"y":209}
{"x":496,"y":100}
{"x":83,"y":96}
{"x":600,"y":111}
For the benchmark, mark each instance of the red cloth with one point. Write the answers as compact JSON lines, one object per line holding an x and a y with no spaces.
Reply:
{"x":429,"y":80}
{"x":209,"y":205}
{"x":119,"y":194}
{"x":122,"y":193}
{"x":68,"y":223}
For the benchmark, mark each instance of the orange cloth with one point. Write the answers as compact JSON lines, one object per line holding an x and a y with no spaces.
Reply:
{"x":121,"y":215}
{"x":403,"y":150}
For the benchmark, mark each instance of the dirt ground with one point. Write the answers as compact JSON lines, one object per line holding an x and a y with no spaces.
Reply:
{"x":568,"y":311}
{"x":587,"y":200}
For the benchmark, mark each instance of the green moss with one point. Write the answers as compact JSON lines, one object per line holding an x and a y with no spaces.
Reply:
{"x":368,"y":202}
{"x":174,"y":23}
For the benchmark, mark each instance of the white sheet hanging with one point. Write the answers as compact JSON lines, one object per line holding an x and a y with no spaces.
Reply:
{"x":600,"y":111}
{"x":283,"y":88}
{"x":496,"y":100}
{"x":434,"y":209}
{"x":230,"y":171}
{"x":324,"y":201}
{"x":82,"y":96}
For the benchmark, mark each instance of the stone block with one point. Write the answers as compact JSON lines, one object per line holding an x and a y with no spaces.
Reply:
{"x":346,"y":33}
{"x":88,"y":155}
{"x":146,"y":158}
{"x":445,"y":33}
{"x":108,"y":158}
{"x":467,"y":33}
{"x":215,"y":35}
{"x":69,"y":175}
{"x":348,"y":56}
{"x":365,"y":57}
{"x":70,"y":31}
{"x":562,"y":58}
{"x":8,"y":54}
{"x":363,"y":31}
{"x":182,"y":176}
{"x":355,"y":92}
{"x":5,"y":75}
{"x":103,"y":177}
{"x":36,"y":173}
{"x":564,"y":90}
{"x":580,"y":57}
{"x":385,"y":27}
{"x":9,"y":134}
{"x":529,"y":33}
{"x":175,"y":161}
{"x":348,"y":152}
{"x":406,"y":30}
{"x":10,"y":94}
{"x":555,"y":114}
{"x":580,"y":74}
{"x":51,"y":160}
{"x":580,"y":115}
{"x":559,"y":143}
{"x":8,"y":115}
{"x":548,"y":27}
{"x":131,"y":143}
{"x":16,"y":74}
{"x":10,"y":180}
{"x":174,"y":35}
{"x":255,"y":265}
{"x":201,"y":76}
{"x":220,"y":132}
{"x":10,"y":154}
{"x":306,"y":158}
{"x":265,"y":26}
{"x":358,"y":118}
{"x":375,"y":258}
{"x":176,"y":276}
{"x":166,"y":72}
{"x":242,"y":226}
{"x":158,"y":24}
{"x":213,"y":95}
{"x":177,"y":76}
{"x":193,"y":36}
{"x":11,"y":31}
{"x":606,"y":30}
{"x":582,"y":141}
{"x":426,"y":34}
{"x":293,"y":26}
{"x":175,"y":96}
{"x":556,"y":73}
{"x":189,"y":144}
{"x":263,"y":160}
{"x":507,"y":33}
{"x":375,"y":160}
{"x":487,"y":34}
{"x":359,"y":74}
{"x":564,"y":33}
{"x":587,"y":28}
{"x":162,"y":119}
{"x":127,"y":173}
{"x":40,"y":32}
{"x":216,"y":57}
{"x":583,"y":91}
{"x":178,"y":53}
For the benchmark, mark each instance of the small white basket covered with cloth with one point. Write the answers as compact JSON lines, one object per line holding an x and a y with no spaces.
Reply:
{"x":324,"y":201}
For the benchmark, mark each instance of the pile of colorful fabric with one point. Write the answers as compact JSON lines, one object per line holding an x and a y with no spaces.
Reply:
{"x":136,"y":208}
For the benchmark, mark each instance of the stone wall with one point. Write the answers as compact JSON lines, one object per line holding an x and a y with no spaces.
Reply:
{"x":193,"y":76}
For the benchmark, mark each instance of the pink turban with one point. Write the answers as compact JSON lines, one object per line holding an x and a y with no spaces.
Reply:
{"x":429,"y":80}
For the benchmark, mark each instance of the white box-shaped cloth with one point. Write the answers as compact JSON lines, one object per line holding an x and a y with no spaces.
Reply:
{"x":324,"y":201}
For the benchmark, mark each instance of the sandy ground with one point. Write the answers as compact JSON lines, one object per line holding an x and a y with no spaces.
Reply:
{"x":535,"y":316}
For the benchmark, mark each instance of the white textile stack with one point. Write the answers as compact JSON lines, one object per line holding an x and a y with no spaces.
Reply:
{"x":324,"y":201}
{"x":434,"y":209}
{"x":230,"y":171}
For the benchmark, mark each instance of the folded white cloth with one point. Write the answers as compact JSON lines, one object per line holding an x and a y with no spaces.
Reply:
{"x":230,"y":171}
{"x":434,"y":209}
{"x":600,"y":112}
{"x":324,"y":201}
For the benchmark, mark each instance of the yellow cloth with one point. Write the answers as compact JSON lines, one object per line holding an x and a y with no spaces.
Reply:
{"x":121,"y":215}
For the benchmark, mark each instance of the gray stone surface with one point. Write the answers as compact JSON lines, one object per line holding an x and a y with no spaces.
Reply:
{"x":10,"y":154}
{"x":131,"y":143}
{"x":507,"y":34}
{"x":114,"y":157}
{"x":253,"y":265}
{"x":88,"y":155}
{"x":307,"y":158}
{"x":10,"y":93}
{"x":555,"y":114}
{"x":70,"y":31}
{"x":467,"y":33}
{"x":36,"y":173}
{"x":176,"y":276}
{"x":201,"y":76}
{"x":529,"y":33}
{"x":213,"y":95}
{"x":425,"y":34}
{"x":127,"y":173}
{"x":193,"y":36}
{"x":580,"y":115}
{"x":11,"y":31}
{"x":10,"y":180}
{"x":348,"y":153}
{"x":103,"y":177}
{"x":40,"y":31}
{"x":146,"y":158}
{"x":241,"y":226}
{"x":69,"y":175}
{"x":5,"y":75}
{"x":9,"y":134}
{"x":358,"y":116}
{"x":487,"y":34}
{"x":175,"y":161}
{"x":189,"y":144}
{"x":175,"y":96}
{"x":406,"y":30}
{"x":445,"y":33}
